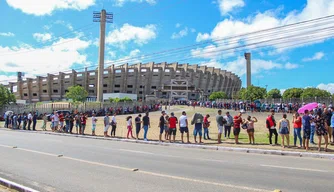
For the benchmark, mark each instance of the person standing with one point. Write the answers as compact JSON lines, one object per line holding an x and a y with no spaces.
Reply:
{"x":61,"y":122}
{"x":106,"y":122}
{"x":146,"y":125}
{"x":321,"y":130}
{"x":77,"y":122}
{"x":271,"y":126}
{"x":312,"y":116}
{"x":206,"y":125}
{"x":220,"y":124}
{"x":83,"y":123}
{"x":34,"y":121}
{"x":29,"y":120}
{"x":44,"y":122}
{"x":284,"y":130}
{"x":228,"y":125}
{"x":184,"y":126}
{"x":94,"y":120}
{"x":197,"y":120}
{"x":306,"y":129}
{"x":71,"y":123}
{"x":67,"y":122}
{"x":251,"y":129}
{"x":237,"y":120}
{"x":25,"y":120}
{"x":297,"y":127}
{"x":161,"y":125}
{"x":129,"y":126}
{"x":138,"y":123}
{"x":15,"y":121}
{"x":113,"y":125}
{"x":19,"y":120}
{"x":166,"y":127}
{"x":172,"y":127}
{"x":328,"y":116}
{"x":55,"y":119}
{"x":332,"y":124}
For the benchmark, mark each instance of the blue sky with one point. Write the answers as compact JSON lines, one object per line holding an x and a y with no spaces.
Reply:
{"x":59,"y":35}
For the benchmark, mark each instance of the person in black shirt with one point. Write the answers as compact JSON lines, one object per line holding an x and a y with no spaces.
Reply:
{"x":34,"y":121}
{"x":146,"y":125}
{"x":138,"y":122}
{"x":162,"y":124}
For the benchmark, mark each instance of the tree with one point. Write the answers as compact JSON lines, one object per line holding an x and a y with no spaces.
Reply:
{"x":77,"y":94}
{"x":315,"y":92}
{"x":293,"y":93}
{"x":6,"y":97}
{"x":274,"y":94}
{"x":217,"y":95}
{"x":253,"y":93}
{"x":125,"y":99}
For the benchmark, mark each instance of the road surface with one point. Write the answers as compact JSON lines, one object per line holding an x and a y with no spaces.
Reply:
{"x":57,"y":163}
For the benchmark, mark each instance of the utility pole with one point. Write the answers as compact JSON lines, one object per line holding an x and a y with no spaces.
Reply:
{"x":103,"y":17}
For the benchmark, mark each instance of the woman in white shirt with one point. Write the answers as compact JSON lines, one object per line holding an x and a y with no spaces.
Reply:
{"x":129,"y":126}
{"x":284,"y":129}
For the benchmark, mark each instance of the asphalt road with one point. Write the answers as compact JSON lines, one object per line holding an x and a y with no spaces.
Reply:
{"x":100,"y":165}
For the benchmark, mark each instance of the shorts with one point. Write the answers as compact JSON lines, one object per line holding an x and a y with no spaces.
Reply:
{"x":172,"y":131}
{"x":220,"y":129}
{"x":284,"y":131}
{"x":166,"y":128}
{"x":184,"y":129}
{"x":250,"y":130}
{"x":106,"y":128}
{"x":55,"y":123}
{"x":162,"y":128}
{"x":236,"y":131}
{"x":93,"y":127}
{"x":307,"y":133}
{"x":61,"y":123}
{"x":198,"y":129}
{"x":137,"y":129}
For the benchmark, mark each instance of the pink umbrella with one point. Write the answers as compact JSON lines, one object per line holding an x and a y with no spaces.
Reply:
{"x":309,"y":107}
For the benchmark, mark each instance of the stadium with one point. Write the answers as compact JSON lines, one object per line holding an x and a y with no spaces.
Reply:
{"x":171,"y":81}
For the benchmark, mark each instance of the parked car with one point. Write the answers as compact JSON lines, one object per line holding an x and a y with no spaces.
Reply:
{"x":60,"y":111}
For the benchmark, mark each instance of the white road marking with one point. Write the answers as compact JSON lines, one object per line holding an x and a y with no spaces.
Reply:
{"x":295,"y":168}
{"x":133,"y":151}
{"x":146,"y":172}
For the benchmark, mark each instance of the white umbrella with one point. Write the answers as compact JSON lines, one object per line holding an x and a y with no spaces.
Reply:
{"x":9,"y":112}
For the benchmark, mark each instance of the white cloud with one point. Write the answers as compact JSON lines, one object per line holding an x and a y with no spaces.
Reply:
{"x":120,"y":3}
{"x":8,"y":34}
{"x":178,"y":25}
{"x":273,"y":18}
{"x":42,"y":37}
{"x":38,"y":7}
{"x":317,"y":56}
{"x":60,"y":56}
{"x":239,"y":66}
{"x":227,"y":6}
{"x":202,"y":37}
{"x":128,"y":33}
{"x":132,"y":57}
{"x":6,"y":79}
{"x":180,"y":34}
{"x":64,"y":23}
{"x":328,"y":87}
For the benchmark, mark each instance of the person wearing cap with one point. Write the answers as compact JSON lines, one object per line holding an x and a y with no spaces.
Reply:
{"x":220,"y":124}
{"x":161,"y":125}
{"x":184,"y":126}
{"x":237,"y":120}
{"x":172,"y":127}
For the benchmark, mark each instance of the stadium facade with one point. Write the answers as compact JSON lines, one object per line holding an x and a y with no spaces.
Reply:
{"x":161,"y":80}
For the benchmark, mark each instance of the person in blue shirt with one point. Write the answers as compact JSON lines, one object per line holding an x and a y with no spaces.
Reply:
{"x":306,"y":129}
{"x":332,"y":124}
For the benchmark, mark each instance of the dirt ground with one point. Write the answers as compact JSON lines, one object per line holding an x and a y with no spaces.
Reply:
{"x":261,"y":132}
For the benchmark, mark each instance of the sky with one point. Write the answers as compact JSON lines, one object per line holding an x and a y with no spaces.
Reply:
{"x":39,"y":37}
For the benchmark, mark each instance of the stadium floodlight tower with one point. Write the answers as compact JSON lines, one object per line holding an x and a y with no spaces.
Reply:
{"x":103,"y":17}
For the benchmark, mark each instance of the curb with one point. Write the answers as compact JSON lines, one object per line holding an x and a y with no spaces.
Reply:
{"x":229,"y":149}
{"x":15,"y":186}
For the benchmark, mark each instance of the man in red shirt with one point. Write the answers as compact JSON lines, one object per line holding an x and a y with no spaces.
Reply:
{"x":237,"y":120}
{"x":172,"y":127}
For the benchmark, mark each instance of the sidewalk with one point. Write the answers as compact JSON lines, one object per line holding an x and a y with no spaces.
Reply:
{"x":198,"y":146}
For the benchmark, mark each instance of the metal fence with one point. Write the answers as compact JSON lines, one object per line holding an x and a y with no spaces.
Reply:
{"x":327,"y":101}
{"x":88,"y":106}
